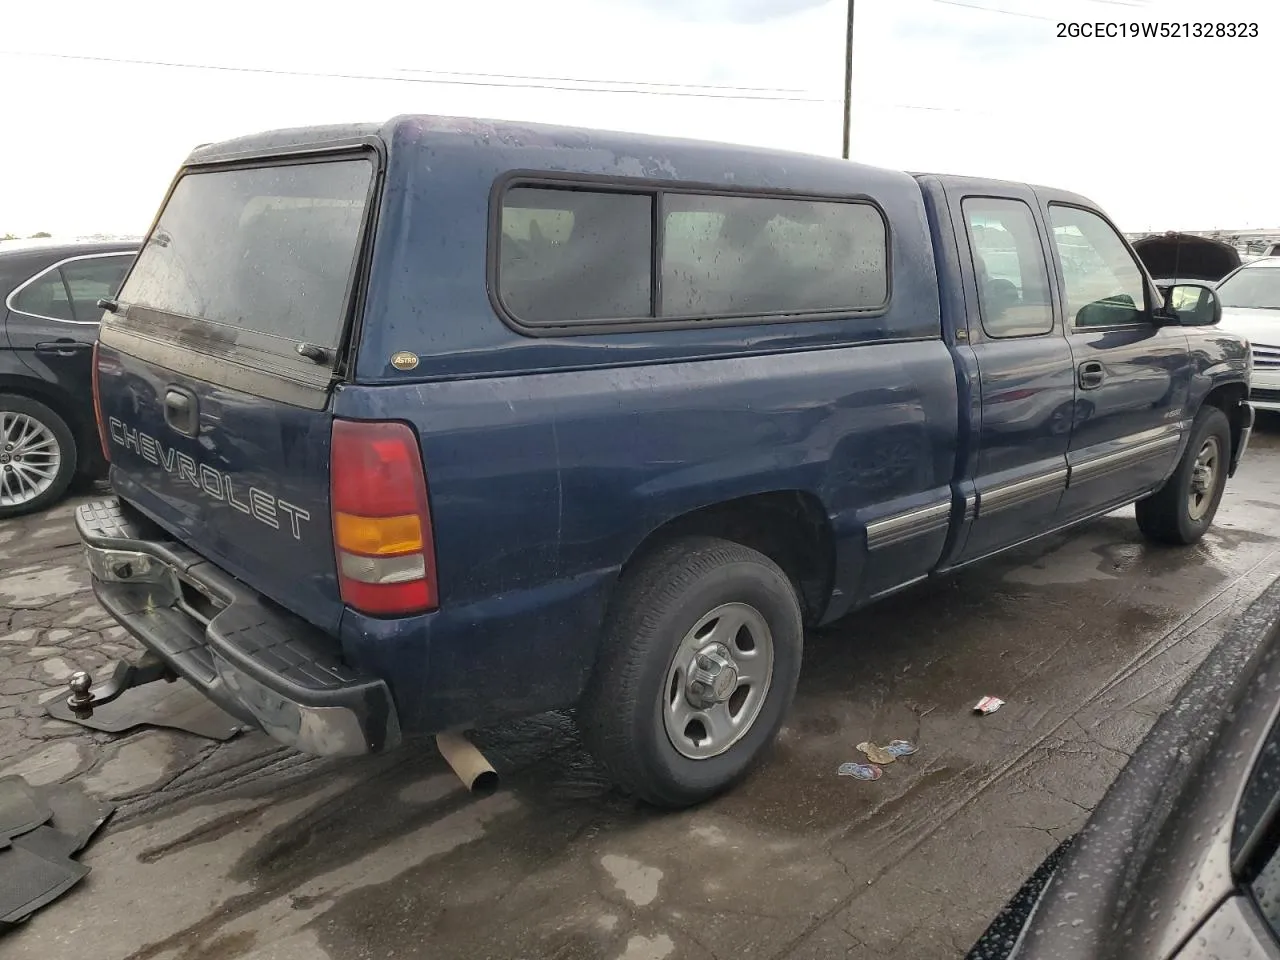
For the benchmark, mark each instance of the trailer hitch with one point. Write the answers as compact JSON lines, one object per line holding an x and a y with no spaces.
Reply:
{"x":126,"y":674}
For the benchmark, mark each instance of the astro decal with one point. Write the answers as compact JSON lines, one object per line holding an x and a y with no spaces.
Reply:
{"x":262,"y":506}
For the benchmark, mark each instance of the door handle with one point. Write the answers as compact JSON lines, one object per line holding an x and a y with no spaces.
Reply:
{"x":62,"y":348}
{"x":1091,"y":375}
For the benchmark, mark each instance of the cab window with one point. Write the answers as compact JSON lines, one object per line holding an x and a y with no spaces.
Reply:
{"x":1102,"y":283}
{"x":1008,"y":261}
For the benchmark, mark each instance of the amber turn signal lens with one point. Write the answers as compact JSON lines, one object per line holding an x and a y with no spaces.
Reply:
{"x":377,"y":536}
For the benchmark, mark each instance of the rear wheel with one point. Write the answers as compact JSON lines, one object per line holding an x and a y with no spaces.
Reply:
{"x":1181,"y":511}
{"x":37,"y":456}
{"x":700,"y":661}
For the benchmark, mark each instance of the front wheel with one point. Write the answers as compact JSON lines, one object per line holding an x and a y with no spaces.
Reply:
{"x":699,"y":665}
{"x":1181,"y":511}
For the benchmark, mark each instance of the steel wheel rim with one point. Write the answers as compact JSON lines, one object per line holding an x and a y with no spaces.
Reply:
{"x":1204,"y":478}
{"x":718,"y":681}
{"x":30,"y":457}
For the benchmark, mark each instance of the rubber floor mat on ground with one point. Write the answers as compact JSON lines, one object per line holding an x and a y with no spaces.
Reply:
{"x":49,"y":824}
{"x":75,"y":814}
{"x":20,"y":808}
{"x":46,"y":842}
{"x":28,"y":881}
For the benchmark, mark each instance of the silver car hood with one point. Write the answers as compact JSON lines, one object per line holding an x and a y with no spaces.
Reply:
{"x":1256,"y":326}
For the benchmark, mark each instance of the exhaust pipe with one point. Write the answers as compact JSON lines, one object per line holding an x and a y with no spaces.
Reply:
{"x":475,"y":772}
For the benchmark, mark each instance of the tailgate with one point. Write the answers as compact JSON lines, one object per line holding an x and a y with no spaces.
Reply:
{"x":216,"y":366}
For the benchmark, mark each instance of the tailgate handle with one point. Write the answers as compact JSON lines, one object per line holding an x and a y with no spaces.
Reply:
{"x":180,"y":410}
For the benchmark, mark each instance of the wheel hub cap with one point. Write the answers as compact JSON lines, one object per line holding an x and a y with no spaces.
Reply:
{"x":713,"y":678}
{"x":1200,"y":479}
{"x":1204,"y":476}
{"x":717,"y":681}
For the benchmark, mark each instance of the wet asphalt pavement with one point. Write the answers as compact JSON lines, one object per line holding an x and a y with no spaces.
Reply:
{"x":246,"y":850}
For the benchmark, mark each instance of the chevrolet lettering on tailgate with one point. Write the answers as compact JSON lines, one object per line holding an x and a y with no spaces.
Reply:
{"x":262,"y":506}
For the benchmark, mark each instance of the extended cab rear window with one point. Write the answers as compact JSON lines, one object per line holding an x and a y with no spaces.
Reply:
{"x":570,"y":255}
{"x":268,"y":250}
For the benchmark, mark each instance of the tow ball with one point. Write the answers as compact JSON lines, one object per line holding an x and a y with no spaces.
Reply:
{"x":126,"y":674}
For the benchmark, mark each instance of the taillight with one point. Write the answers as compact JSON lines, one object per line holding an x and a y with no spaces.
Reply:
{"x":97,"y":408}
{"x":381,"y":521}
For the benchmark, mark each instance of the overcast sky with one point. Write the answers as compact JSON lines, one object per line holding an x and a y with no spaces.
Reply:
{"x":1163,"y":133}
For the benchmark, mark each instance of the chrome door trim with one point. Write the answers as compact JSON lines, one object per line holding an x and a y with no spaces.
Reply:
{"x":1140,"y":448}
{"x":905,"y":526}
{"x":1020,"y":492}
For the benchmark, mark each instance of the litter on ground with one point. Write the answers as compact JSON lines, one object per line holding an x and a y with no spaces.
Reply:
{"x":988,"y":705}
{"x":861,"y":771}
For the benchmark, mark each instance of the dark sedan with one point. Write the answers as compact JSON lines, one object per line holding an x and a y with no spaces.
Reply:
{"x":1181,"y":859}
{"x":50,"y":315}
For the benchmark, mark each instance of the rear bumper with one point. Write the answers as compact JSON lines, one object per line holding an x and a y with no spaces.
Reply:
{"x":258,"y":662}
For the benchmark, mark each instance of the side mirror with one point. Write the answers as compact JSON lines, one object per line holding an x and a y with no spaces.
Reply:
{"x":1192,"y":305}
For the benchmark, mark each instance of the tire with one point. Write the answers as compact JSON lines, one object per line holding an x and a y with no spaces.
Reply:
{"x":49,"y":456}
{"x":1172,"y":515}
{"x":641,"y":691}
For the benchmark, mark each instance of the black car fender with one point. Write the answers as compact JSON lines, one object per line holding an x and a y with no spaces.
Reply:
{"x":1096,"y":883}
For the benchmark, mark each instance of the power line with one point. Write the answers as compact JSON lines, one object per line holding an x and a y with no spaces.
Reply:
{"x":1133,"y":4}
{"x":629,"y":83}
{"x":916,"y":106}
{"x":352,"y":76}
{"x":1010,"y":13}
{"x":677,"y":90}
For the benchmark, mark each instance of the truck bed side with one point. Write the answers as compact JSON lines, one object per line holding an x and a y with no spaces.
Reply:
{"x":553,"y":461}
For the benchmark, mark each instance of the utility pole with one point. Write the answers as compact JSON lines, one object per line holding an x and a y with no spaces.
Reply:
{"x":848,"y":79}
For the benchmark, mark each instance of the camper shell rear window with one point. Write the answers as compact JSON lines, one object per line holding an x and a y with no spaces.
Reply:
{"x":265,"y":254}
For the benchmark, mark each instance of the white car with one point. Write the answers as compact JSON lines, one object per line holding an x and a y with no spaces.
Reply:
{"x":1250,"y":299}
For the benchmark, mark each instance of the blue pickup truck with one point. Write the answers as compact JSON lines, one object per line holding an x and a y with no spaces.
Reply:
{"x":421,"y":425}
